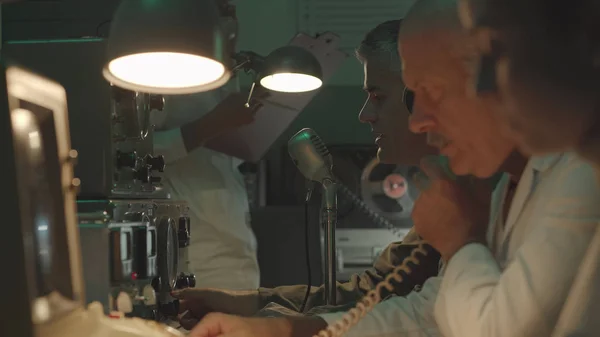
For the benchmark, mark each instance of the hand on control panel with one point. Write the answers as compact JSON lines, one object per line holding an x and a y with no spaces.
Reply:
{"x":169,"y":306}
{"x":200,"y":302}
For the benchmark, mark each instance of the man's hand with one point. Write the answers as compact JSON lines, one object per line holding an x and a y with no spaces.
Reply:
{"x":232,"y":112}
{"x":451,"y":212}
{"x":195,"y":303}
{"x":229,"y":114}
{"x":221,"y":325}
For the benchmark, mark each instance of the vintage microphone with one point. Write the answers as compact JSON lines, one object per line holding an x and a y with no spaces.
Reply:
{"x":314,"y":161}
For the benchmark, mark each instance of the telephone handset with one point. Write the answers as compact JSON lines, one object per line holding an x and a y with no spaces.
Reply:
{"x":368,"y":302}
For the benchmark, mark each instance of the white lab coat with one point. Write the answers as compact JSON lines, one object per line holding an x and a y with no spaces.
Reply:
{"x":222,"y":253}
{"x":518,"y":287}
{"x":582,"y":309}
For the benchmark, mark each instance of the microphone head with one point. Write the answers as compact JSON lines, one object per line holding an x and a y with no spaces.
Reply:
{"x":310,"y":155}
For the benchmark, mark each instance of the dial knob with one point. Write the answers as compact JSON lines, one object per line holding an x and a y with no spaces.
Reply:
{"x":149,"y":294}
{"x":124,"y":303}
{"x":184,"y":232}
{"x":126,"y":159}
{"x":143,"y":174}
{"x":185,"y":281}
{"x":156,"y":102}
{"x":156,"y":163}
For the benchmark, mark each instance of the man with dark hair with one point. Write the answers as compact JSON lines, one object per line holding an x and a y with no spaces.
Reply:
{"x":378,"y":53}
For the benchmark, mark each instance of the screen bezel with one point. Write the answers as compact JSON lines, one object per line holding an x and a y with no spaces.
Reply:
{"x":23,"y":85}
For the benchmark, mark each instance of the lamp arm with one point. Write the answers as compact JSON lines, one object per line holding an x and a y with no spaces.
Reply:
{"x":248,"y":60}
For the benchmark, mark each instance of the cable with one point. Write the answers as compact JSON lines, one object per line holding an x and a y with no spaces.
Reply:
{"x":310,"y":186}
{"x":378,"y":219}
{"x":306,"y":246}
{"x":368,"y":302}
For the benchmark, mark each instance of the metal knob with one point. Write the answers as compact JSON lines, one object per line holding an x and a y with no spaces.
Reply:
{"x":156,"y":102}
{"x":143,"y":174}
{"x":156,"y":163}
{"x":184,"y":232}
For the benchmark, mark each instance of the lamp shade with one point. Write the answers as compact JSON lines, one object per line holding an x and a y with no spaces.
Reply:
{"x":167,"y":47}
{"x":291,"y":69}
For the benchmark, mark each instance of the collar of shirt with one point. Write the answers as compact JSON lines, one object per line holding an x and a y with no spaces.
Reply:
{"x":543,"y":163}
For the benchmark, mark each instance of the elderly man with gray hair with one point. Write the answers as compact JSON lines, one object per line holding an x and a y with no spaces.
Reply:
{"x":508,"y":279}
{"x":548,"y":97}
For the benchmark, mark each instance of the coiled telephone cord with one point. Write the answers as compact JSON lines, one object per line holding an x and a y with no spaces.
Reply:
{"x":368,"y":302}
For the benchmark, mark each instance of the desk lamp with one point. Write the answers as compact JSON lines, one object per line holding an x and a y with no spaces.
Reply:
{"x":167,"y":47}
{"x":289,"y":69}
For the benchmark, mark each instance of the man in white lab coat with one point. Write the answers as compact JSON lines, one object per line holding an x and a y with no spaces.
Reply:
{"x":504,"y":280}
{"x":222,"y":251}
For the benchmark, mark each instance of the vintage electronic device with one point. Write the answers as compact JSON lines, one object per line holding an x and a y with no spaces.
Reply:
{"x":110,"y":127}
{"x":45,"y":290}
{"x":121,"y":203}
{"x":138,"y":245}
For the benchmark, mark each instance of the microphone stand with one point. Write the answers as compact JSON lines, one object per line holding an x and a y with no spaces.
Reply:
{"x":329,"y":219}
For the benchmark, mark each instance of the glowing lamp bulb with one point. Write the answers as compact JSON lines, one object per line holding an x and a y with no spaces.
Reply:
{"x":164,"y":70}
{"x":291,"y":82}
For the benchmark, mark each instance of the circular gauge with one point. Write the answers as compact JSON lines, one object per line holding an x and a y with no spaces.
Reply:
{"x":167,"y":253}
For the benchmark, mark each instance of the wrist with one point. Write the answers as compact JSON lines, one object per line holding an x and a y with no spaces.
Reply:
{"x":302,"y":326}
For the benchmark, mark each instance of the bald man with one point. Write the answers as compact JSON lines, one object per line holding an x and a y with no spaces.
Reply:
{"x":512,"y":281}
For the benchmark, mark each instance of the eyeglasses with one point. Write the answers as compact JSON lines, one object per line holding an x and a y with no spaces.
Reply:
{"x":409,"y":99}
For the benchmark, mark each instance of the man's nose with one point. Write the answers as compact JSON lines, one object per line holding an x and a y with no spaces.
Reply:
{"x":420,"y":122}
{"x":367,"y":113}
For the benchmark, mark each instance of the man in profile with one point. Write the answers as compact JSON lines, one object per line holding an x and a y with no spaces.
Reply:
{"x":388,"y":117}
{"x":547,"y":92}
